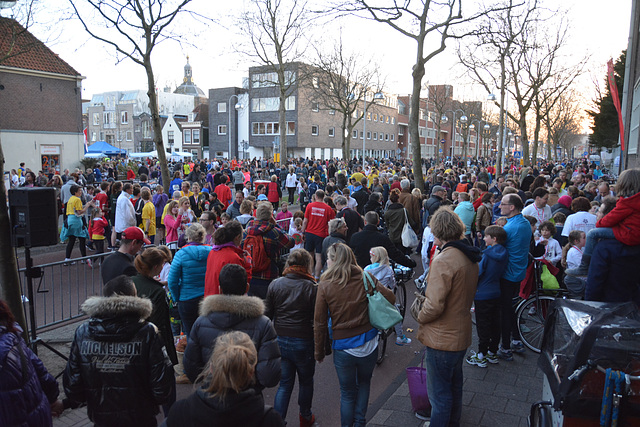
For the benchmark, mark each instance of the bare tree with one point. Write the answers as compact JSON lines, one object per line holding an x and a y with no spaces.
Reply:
{"x":429,"y":24}
{"x":342,"y":80}
{"x":562,"y":122}
{"x":439,"y":99}
{"x":497,"y":35}
{"x":275,"y":31}
{"x":134,"y":29}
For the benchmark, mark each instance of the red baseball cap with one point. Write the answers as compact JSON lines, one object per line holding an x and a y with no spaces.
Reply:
{"x":135,"y":233}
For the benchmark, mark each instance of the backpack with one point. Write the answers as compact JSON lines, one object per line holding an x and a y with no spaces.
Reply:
{"x":260,"y":261}
{"x":462,"y":187}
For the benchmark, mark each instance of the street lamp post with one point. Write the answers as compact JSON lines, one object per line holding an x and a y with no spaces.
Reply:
{"x":445,"y":119}
{"x":238,"y":107}
{"x":377,"y":95}
{"x":486,"y":130}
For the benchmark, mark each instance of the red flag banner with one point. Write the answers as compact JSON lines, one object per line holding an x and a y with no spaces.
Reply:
{"x":616,"y":99}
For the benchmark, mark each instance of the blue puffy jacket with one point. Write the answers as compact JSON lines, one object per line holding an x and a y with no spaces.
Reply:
{"x":26,"y":388}
{"x":466,"y":213}
{"x":186,"y":276}
{"x":494,"y":262}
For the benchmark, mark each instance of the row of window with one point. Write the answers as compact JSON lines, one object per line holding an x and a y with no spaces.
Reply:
{"x":375,"y":135}
{"x":109,"y":117}
{"x":187,"y":135}
{"x":376,"y":117}
{"x":271,"y":79}
{"x":120,"y":135}
{"x":269,"y":128}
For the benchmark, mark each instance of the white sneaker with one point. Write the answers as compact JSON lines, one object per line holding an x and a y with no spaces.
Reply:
{"x":67,"y":261}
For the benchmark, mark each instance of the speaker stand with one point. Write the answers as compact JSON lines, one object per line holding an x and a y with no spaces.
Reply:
{"x":35,"y":341}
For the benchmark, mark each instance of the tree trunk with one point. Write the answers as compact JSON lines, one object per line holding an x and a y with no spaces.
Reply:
{"x":414,"y":117}
{"x":157,"y":125}
{"x":9,"y":279}
{"x":283,"y":128}
{"x":524,"y":139}
{"x":536,"y":135}
{"x":282,"y":110}
{"x":501,"y":128}
{"x":346,"y":137}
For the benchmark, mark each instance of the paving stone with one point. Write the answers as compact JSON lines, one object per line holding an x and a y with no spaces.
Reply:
{"x":493,"y":418}
{"x":471,"y":415}
{"x":398,"y":403}
{"x":403,"y":419}
{"x":466,"y":397}
{"x":403,"y":390}
{"x":512,"y":392}
{"x":474,"y":372}
{"x":515,"y":407}
{"x":381,"y":416}
{"x":501,"y":377}
{"x":486,"y":401}
{"x":478,"y":386}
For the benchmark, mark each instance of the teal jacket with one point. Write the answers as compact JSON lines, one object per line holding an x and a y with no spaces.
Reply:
{"x":466,"y":213}
{"x":186,"y":276}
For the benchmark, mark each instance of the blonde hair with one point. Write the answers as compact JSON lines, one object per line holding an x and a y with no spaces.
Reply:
{"x":502,"y":220}
{"x":380,"y":255}
{"x":195,"y":233}
{"x":446,"y":225}
{"x":342,"y":261}
{"x":416,"y":193}
{"x":184,"y":199}
{"x":232,"y":364}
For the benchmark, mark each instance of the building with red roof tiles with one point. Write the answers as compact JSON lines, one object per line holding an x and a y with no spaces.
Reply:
{"x":40,"y":103}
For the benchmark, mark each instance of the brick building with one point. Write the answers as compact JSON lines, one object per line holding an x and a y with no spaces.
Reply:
{"x":40,"y":103}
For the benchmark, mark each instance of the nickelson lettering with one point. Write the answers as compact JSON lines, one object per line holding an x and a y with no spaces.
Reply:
{"x":93,"y":348}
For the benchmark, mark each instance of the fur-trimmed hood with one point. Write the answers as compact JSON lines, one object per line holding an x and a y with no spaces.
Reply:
{"x":240,"y":305}
{"x":117,"y":306}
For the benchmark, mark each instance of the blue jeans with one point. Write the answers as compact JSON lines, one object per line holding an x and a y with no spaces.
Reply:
{"x":296,"y":355}
{"x":189,"y":313}
{"x":594,"y":236}
{"x":444,"y":383}
{"x":354,"y":375}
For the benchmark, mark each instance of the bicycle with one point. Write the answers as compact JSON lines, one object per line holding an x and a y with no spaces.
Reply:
{"x":402,"y":275}
{"x":531,"y":313}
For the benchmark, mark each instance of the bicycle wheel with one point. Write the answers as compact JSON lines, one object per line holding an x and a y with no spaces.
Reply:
{"x":531,"y":314}
{"x":401,"y":298}
{"x":382,"y":346}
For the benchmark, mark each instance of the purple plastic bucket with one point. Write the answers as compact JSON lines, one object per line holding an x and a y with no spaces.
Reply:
{"x":417,"y":379}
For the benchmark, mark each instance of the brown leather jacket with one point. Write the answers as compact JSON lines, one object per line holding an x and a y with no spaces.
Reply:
{"x":445,"y":318}
{"x":413,"y":205}
{"x":348,"y":306}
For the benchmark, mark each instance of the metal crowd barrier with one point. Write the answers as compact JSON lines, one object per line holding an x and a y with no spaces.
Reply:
{"x":59,"y":290}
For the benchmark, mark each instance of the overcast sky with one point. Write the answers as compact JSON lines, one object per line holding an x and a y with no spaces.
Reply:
{"x":598,"y":29}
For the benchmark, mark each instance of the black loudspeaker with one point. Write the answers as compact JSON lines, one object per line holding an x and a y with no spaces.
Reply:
{"x":34,"y":217}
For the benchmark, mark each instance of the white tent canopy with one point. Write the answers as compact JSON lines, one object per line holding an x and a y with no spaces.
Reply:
{"x":141,"y":155}
{"x":94,"y":155}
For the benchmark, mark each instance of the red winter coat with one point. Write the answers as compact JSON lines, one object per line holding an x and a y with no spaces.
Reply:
{"x":272,"y":192}
{"x":218,"y":258}
{"x":224,"y":195}
{"x":624,"y":219}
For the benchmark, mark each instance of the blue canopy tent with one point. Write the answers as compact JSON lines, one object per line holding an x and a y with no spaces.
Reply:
{"x":104,"y":148}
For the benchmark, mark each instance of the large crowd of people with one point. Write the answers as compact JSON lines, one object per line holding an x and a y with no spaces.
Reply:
{"x":278,"y":255}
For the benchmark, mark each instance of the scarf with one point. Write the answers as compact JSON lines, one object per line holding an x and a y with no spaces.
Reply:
{"x":300,"y":271}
